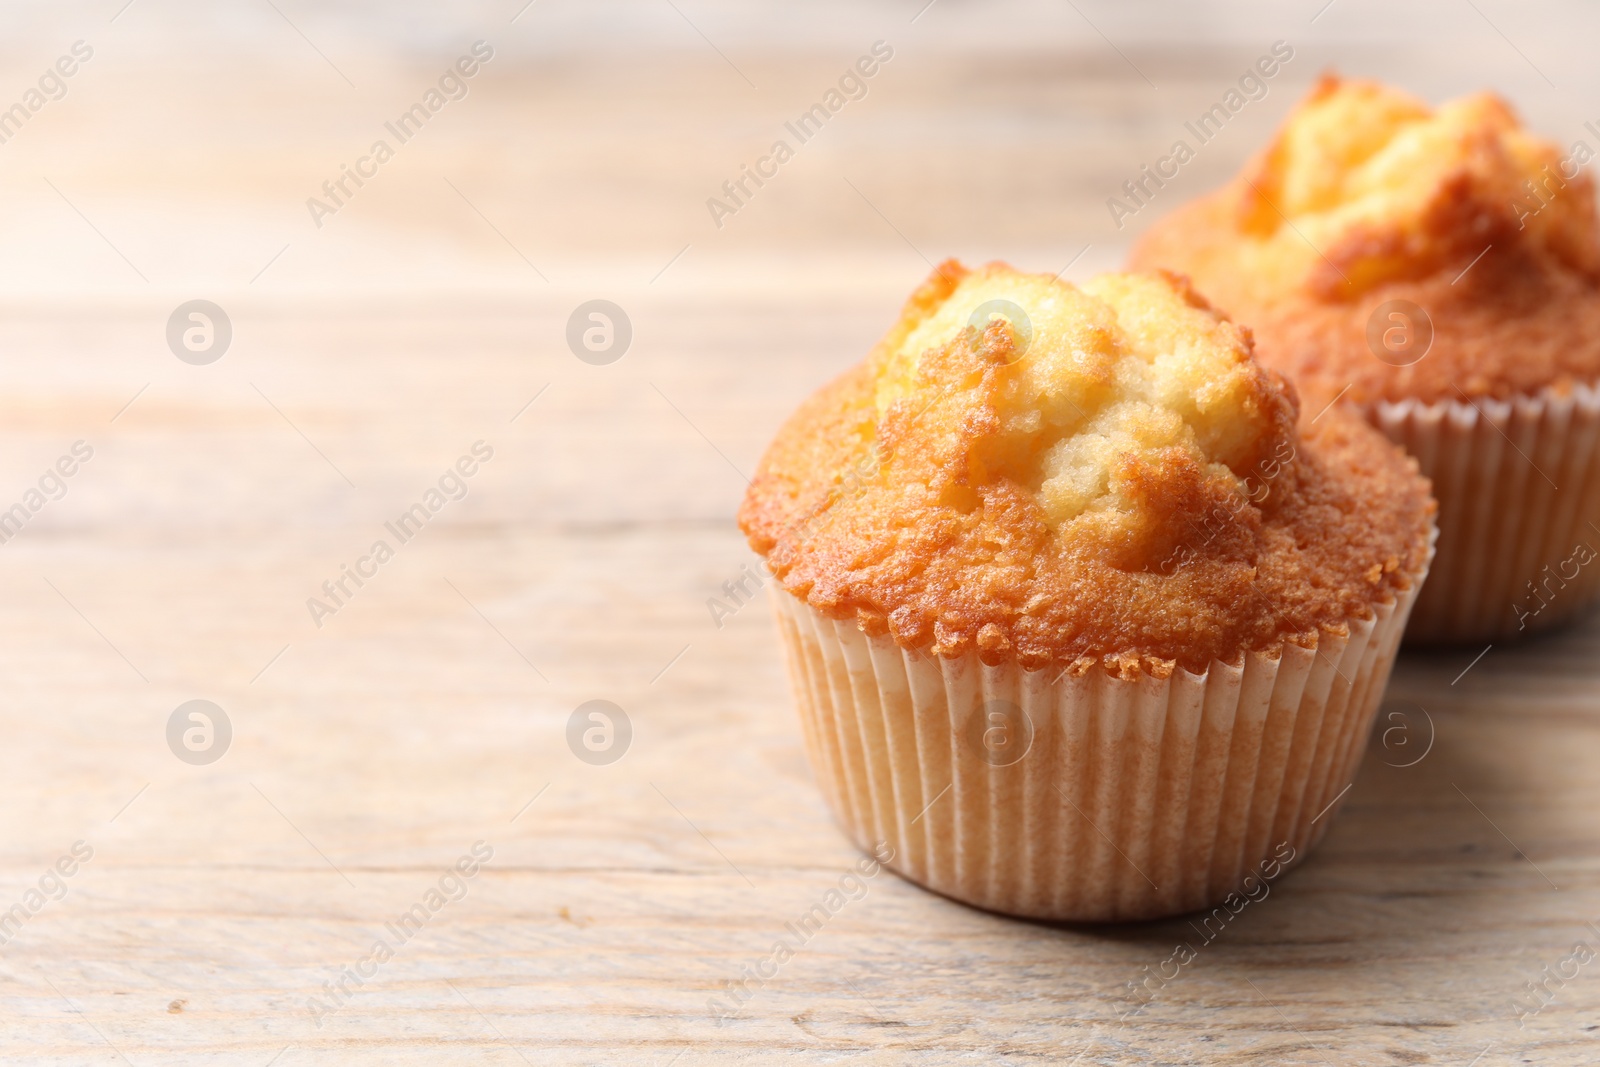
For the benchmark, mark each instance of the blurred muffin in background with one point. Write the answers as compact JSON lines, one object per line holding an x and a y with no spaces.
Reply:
{"x":1439,"y":270}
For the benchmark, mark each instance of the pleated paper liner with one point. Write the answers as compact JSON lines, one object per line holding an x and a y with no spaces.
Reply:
{"x":1081,"y":796}
{"x":1518,"y":485}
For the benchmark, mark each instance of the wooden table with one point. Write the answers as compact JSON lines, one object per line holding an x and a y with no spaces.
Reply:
{"x":431,"y":710}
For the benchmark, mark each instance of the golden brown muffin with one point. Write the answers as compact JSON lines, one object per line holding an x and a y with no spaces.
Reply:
{"x":1130,"y":487}
{"x":1367,"y":195}
{"x":1439,"y":270}
{"x":1080,"y":625}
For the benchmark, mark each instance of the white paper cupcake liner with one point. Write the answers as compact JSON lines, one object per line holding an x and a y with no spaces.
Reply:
{"x":1133,"y":800}
{"x":1518,"y":485}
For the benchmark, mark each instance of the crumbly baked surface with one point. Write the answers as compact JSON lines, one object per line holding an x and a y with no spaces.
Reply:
{"x":1107,"y":477}
{"x":1367,"y":196}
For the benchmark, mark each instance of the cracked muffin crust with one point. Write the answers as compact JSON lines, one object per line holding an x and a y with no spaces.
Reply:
{"x":1088,"y":475}
{"x":1367,"y":195}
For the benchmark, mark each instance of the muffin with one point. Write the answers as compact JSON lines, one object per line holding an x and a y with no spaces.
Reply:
{"x":1439,"y":271}
{"x":1079,"y":623}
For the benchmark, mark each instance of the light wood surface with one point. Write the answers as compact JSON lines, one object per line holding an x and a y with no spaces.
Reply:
{"x":431,"y":711}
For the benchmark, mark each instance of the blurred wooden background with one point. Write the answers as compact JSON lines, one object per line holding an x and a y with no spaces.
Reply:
{"x":368,"y":354}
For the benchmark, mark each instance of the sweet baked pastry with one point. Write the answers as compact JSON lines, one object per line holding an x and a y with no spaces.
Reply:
{"x":1438,"y":270}
{"x":1079,"y":621}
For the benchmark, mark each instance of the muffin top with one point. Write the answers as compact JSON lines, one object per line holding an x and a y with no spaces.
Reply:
{"x":1368,"y":203}
{"x":1043,"y":473}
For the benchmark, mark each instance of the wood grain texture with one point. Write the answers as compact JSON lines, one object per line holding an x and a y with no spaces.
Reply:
{"x":425,"y":715}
